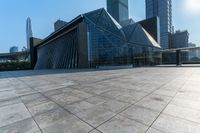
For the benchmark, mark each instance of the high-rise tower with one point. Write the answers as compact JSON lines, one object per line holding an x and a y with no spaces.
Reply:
{"x":162,"y":9}
{"x":29,"y":33}
{"x":118,"y":9}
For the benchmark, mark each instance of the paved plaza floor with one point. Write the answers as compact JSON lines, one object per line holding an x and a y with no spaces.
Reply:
{"x":141,"y":100}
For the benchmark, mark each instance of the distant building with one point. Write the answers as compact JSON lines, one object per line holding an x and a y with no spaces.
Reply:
{"x":59,"y":24}
{"x":14,"y":49}
{"x":118,"y":9}
{"x":29,"y":33}
{"x":193,"y":53}
{"x":163,"y":10}
{"x":179,"y":39}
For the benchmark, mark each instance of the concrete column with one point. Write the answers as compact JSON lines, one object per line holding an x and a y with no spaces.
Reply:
{"x":178,"y":57}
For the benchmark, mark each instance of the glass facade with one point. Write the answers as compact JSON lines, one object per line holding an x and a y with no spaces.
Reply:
{"x":118,"y":9}
{"x":107,"y":42}
{"x":162,"y":9}
{"x":111,"y":44}
{"x":59,"y":53}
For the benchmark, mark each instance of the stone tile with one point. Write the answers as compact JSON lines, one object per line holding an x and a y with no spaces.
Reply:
{"x":171,"y":124}
{"x":95,"y":89}
{"x":10,"y":102}
{"x":185,"y":113}
{"x":154,"y":102}
{"x":165,"y":92}
{"x":48,"y":87}
{"x":111,"y":94}
{"x":114,"y":106}
{"x":140,"y":114}
{"x":34,"y":99}
{"x":9,"y":94}
{"x":96,"y":115}
{"x":52,"y":92}
{"x":188,"y":95}
{"x":49,"y":118}
{"x":97,"y":100}
{"x":152,"y":130}
{"x":79,"y":106}
{"x":13,"y":113}
{"x":65,"y":99}
{"x":42,"y":108}
{"x":95,"y":131}
{"x":24,"y":126}
{"x":25,"y":91}
{"x":81,"y":94}
{"x":186,"y":103}
{"x":120,"y":124}
{"x":64,"y":125}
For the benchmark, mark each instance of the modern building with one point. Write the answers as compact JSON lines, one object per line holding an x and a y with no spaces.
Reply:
{"x":193,"y":53}
{"x":14,"y":49}
{"x":118,"y":9}
{"x":59,"y":24}
{"x":163,"y":10}
{"x":96,"y":39}
{"x":29,"y":33}
{"x":179,"y":39}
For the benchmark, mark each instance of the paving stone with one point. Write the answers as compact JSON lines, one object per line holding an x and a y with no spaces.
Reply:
{"x":97,"y":100}
{"x":121,"y":124}
{"x":34,"y":99}
{"x":24,"y":126}
{"x":140,"y":114}
{"x":13,"y":113}
{"x":152,"y":130}
{"x":10,"y":102}
{"x":65,"y":99}
{"x":171,"y":124}
{"x":96,"y":97}
{"x":96,"y":115}
{"x":95,"y":131}
{"x":185,"y":113}
{"x":186,"y":103}
{"x":114,"y":106}
{"x":165,"y":92}
{"x":79,"y":106}
{"x":73,"y":125}
{"x":42,"y":108}
{"x":9,"y":94}
{"x":49,"y":118}
{"x":154,"y":102}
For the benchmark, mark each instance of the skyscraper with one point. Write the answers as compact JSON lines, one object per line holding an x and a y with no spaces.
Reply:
{"x":118,"y":9}
{"x":29,"y":33}
{"x":162,"y":9}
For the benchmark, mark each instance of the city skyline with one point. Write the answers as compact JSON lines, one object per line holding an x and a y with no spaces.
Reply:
{"x":13,"y":24}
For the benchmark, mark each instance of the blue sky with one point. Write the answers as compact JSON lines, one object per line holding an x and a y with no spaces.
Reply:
{"x":13,"y":14}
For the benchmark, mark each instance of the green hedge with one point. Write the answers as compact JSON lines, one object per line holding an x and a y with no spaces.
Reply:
{"x":11,"y":66}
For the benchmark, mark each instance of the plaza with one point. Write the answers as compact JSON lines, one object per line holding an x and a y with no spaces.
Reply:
{"x":134,"y":100}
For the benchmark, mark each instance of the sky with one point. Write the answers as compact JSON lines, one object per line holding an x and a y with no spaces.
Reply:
{"x":43,"y":13}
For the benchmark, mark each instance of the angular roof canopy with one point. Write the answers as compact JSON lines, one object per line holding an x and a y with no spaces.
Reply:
{"x":130,"y":31}
{"x":136,"y":34}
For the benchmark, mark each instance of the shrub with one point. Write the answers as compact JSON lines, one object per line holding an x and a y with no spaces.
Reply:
{"x":11,"y":66}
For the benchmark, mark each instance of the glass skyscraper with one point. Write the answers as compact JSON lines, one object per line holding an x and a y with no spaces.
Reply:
{"x":162,"y":9}
{"x":29,"y":33}
{"x":118,"y":9}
